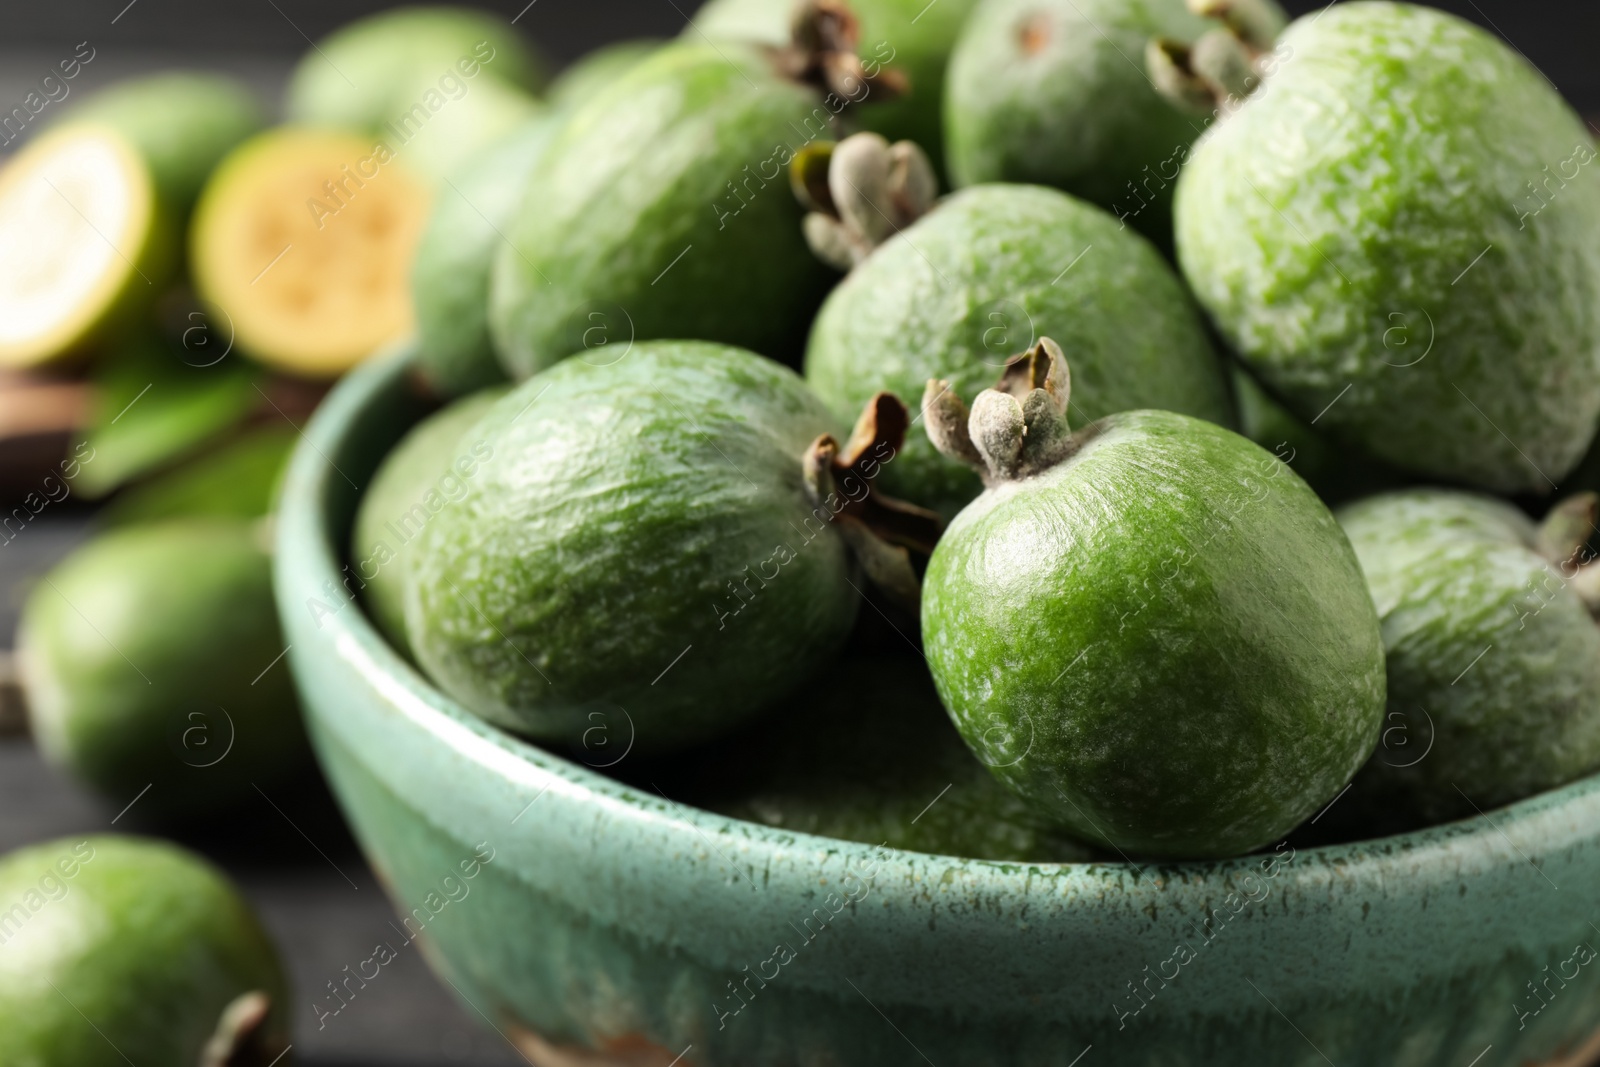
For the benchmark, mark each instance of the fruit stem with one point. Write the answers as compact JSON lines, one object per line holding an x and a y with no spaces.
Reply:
{"x":1563,"y":539}
{"x":859,"y":192}
{"x":1225,"y":65}
{"x":822,"y":53}
{"x":880,"y":530}
{"x":1255,"y":23}
{"x":240,"y":1039}
{"x":1016,"y":429}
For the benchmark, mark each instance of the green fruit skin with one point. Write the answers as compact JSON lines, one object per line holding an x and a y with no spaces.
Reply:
{"x":912,"y":37}
{"x":1164,"y":642}
{"x":131,"y":646}
{"x":1337,"y":473}
{"x":631,"y":228}
{"x":450,"y":275}
{"x":129,"y":958}
{"x":865,"y":752}
{"x":484,"y":115}
{"x":1333,"y":227}
{"x":623,"y":551}
{"x":363,"y":76}
{"x":1054,"y":92}
{"x":182,"y":122}
{"x":978,"y":281}
{"x":595,"y":72}
{"x":1458,"y":585}
{"x":426,"y":470}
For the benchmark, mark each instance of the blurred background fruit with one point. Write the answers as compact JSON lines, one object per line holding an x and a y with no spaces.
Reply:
{"x":155,"y":946}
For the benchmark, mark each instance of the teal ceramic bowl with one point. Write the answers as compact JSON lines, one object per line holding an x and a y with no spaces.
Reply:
{"x":596,"y":923}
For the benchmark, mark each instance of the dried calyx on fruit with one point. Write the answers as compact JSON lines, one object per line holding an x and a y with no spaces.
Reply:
{"x":612,"y":526}
{"x":1361,"y":232}
{"x":822,"y":52}
{"x":880,"y":530}
{"x":1105,"y":622}
{"x":1015,"y":430}
{"x":860,"y":192}
{"x":614,"y":236}
{"x":1223,"y":64}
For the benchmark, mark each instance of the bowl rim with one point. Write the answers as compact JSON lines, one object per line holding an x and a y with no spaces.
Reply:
{"x":312,"y":476}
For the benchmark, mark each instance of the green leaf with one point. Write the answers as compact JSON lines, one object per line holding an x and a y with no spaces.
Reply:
{"x":239,"y":479}
{"x":152,"y":409}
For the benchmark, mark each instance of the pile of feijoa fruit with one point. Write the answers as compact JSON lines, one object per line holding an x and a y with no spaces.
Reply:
{"x":1028,"y":430}
{"x":898,"y":422}
{"x":751,"y":433}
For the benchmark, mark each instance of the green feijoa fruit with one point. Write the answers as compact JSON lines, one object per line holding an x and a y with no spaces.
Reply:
{"x":911,"y":38}
{"x":1338,"y":473}
{"x":596,"y":71}
{"x":182,"y":122}
{"x":421,"y":476}
{"x":364,"y":76}
{"x":662,"y":210}
{"x":151,"y":657}
{"x":470,"y":120}
{"x":450,"y":275}
{"x":122,"y":950}
{"x":1152,"y":629}
{"x":1055,"y":92}
{"x":1403,"y":175}
{"x":984,"y":275}
{"x":865,"y":752}
{"x":649,"y":542}
{"x":1493,"y":650}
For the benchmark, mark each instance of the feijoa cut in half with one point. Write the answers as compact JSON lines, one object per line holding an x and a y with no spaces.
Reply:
{"x":151,"y":660}
{"x":666,"y":543}
{"x":302,"y":242}
{"x":1493,"y":651}
{"x":1399,"y":233}
{"x":1152,"y":629}
{"x":94,"y":244}
{"x":983,"y":275}
{"x":123,"y":950}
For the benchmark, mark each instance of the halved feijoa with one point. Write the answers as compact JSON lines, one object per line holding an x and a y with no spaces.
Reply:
{"x":93,"y":247}
{"x":302,"y":241}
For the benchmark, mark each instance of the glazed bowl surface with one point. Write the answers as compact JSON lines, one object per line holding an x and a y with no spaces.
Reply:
{"x":595,"y":922}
